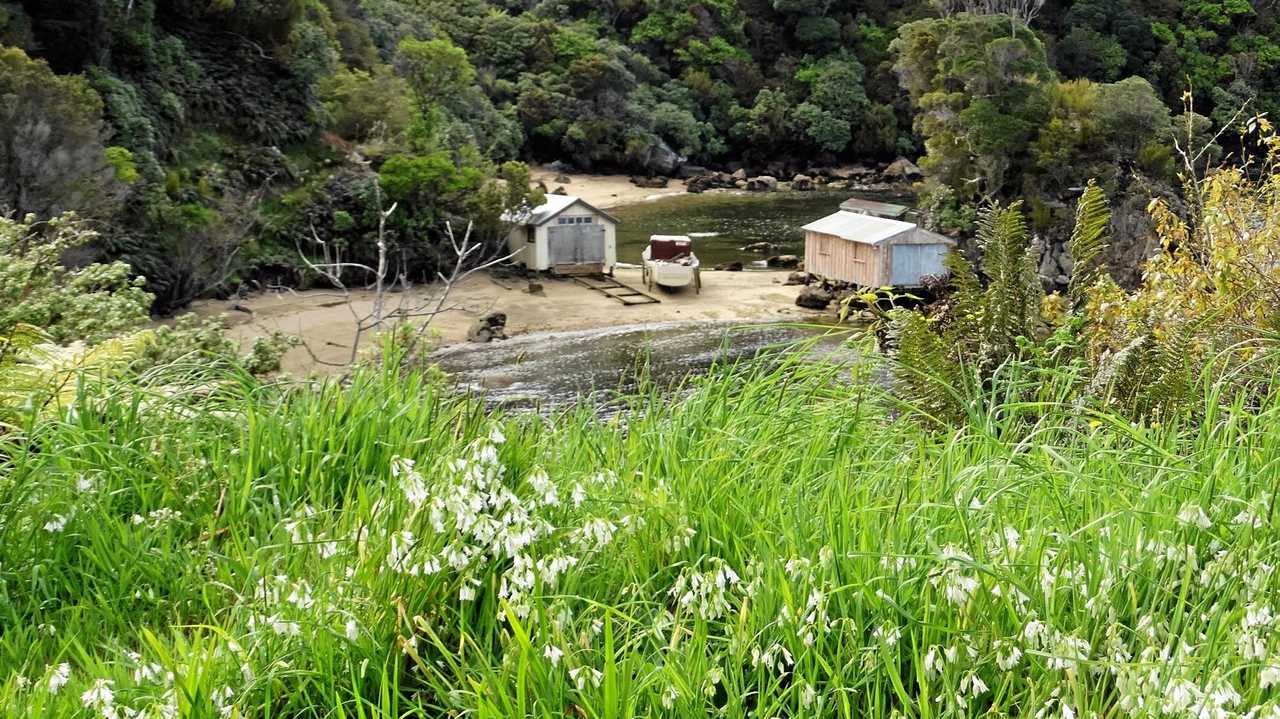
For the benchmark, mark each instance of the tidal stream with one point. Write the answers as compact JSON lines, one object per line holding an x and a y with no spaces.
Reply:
{"x":550,"y":370}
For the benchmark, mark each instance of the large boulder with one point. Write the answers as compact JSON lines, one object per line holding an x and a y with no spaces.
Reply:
{"x":662,"y":160}
{"x":730,"y":267}
{"x":798,"y":278}
{"x":763,"y":183}
{"x":690,"y":171}
{"x":802,"y":183}
{"x":783,"y":262}
{"x":903,"y":169}
{"x":739,"y":174}
{"x":763,"y":248}
{"x":488,"y":328}
{"x":814,"y":298}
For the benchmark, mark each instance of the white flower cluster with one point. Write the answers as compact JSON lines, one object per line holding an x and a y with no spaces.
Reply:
{"x":953,"y":578}
{"x":709,"y":592}
{"x":479,"y":517}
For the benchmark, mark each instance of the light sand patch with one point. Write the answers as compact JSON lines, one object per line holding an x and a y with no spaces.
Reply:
{"x":605,"y":191}
{"x":325,"y":322}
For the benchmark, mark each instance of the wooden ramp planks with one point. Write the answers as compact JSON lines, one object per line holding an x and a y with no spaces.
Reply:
{"x":609,"y":287}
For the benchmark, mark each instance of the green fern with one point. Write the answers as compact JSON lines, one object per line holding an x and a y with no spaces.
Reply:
{"x":1147,"y":377}
{"x":967,"y":306}
{"x":1011,"y":303}
{"x":38,"y":377}
{"x":1088,"y":241}
{"x":928,"y":374}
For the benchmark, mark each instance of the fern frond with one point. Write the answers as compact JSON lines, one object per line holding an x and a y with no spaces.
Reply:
{"x":967,"y":306}
{"x":43,"y":378}
{"x":100,"y":362}
{"x":1170,"y":383}
{"x":22,"y":340}
{"x":927,"y":375}
{"x":1012,"y":299}
{"x":1088,"y":241}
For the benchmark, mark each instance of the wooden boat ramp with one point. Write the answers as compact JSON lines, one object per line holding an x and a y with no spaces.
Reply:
{"x":612,"y":288}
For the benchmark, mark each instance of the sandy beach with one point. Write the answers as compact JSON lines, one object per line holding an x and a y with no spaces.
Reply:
{"x":605,"y":191}
{"x":324,"y":320}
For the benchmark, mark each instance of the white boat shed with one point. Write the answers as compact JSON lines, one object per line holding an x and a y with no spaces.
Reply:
{"x":873,"y":251}
{"x":564,"y":235}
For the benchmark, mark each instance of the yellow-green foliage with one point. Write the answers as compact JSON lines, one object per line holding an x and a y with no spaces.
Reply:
{"x":1211,"y":298}
{"x":38,"y":377}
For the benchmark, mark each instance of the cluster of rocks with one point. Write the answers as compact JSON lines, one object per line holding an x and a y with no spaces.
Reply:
{"x":488,"y":328}
{"x":818,"y":294}
{"x":859,"y":177}
{"x":815,"y":297}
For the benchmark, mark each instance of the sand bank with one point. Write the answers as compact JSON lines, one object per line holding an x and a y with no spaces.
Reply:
{"x":325,"y":322}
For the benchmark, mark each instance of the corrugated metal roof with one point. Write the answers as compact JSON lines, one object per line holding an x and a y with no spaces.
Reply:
{"x":871,"y":207}
{"x":554,"y":205}
{"x":857,"y":227}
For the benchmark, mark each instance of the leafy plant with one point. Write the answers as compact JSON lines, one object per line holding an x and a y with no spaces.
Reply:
{"x":92,"y":302}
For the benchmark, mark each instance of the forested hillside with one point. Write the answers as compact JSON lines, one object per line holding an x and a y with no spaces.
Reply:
{"x":213,"y":140}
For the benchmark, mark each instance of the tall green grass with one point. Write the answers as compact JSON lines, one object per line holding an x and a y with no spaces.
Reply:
{"x":779,"y":543}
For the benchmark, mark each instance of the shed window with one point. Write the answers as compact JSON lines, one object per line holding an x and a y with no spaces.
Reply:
{"x":585,"y":220}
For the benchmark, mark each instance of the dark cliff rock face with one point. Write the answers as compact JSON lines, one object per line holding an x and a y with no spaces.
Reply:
{"x":1131,"y":239}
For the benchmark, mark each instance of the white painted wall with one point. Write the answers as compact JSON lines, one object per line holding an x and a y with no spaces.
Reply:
{"x":536,"y":256}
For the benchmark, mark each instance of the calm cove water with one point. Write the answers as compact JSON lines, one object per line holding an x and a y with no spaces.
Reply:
{"x":721,"y":224}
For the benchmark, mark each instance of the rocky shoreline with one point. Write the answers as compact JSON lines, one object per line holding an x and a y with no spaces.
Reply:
{"x":897,"y":176}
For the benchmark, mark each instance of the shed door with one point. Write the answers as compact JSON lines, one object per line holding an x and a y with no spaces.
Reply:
{"x":575,"y":244}
{"x":911,"y":263}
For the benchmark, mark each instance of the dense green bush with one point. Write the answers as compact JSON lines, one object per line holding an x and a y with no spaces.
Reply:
{"x":52,"y":142}
{"x":91,"y":303}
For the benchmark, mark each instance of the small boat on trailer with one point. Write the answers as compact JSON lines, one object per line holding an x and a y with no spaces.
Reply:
{"x":669,"y":262}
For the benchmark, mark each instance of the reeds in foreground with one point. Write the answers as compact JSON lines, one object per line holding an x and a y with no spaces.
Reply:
{"x":772,"y":545}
